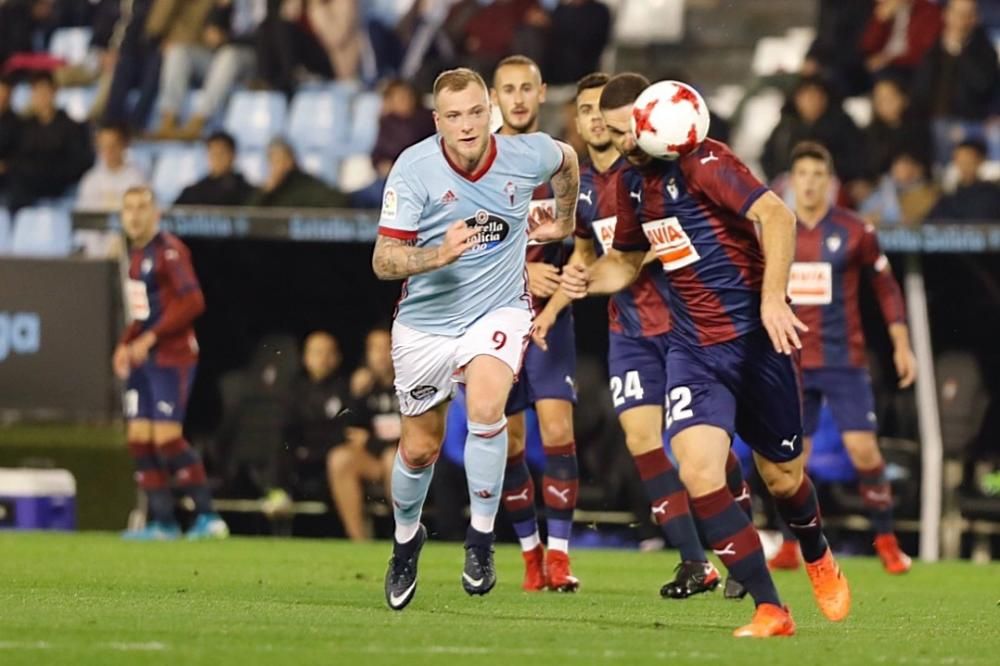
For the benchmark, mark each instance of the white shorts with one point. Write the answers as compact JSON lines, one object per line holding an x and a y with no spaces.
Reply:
{"x":428,"y":366}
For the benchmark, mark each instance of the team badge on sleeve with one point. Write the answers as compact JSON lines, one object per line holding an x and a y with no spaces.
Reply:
{"x":389,"y":204}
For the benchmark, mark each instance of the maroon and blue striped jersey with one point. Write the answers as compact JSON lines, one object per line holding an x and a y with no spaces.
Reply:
{"x":830,"y":259}
{"x":640,"y":310}
{"x":692,"y":213}
{"x":164,"y":296}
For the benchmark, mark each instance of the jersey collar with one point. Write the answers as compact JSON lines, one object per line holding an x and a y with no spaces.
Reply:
{"x":473,"y":176}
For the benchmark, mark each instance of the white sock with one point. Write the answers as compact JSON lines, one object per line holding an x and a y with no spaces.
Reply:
{"x":482,"y":523}
{"x":559,"y":544}
{"x":529,"y":543}
{"x":405,"y":532}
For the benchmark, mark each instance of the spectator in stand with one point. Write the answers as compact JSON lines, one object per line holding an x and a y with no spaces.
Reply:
{"x":136,"y":67}
{"x":578,"y":36}
{"x":896,"y":127}
{"x":99,"y":64}
{"x":959,"y":76}
{"x":223,"y":186}
{"x":903,"y":196}
{"x":370,"y":460}
{"x":223,"y":57}
{"x":428,"y":47}
{"x":841,"y":24}
{"x":319,"y":421}
{"x":288,"y":50}
{"x":180,"y":26}
{"x":975,"y":199}
{"x":103,"y":187}
{"x":344,"y":37}
{"x":812,"y":115}
{"x":487,"y":33}
{"x":899,"y":33}
{"x":25,"y":28}
{"x":10,"y":123}
{"x":404,"y":121}
{"x":52,"y":151}
{"x":287,"y":186}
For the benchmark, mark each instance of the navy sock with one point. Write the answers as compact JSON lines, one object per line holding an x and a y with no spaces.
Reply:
{"x":669,"y":504}
{"x":519,"y":501}
{"x":734,"y":539}
{"x":801,"y":513}
{"x":876,"y":493}
{"x":561,"y":483}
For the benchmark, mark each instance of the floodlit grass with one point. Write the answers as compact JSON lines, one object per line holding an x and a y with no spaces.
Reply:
{"x":93,"y":599}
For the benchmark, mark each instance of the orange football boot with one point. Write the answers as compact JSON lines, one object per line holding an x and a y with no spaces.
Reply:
{"x":560,"y":578}
{"x":768,"y":620}
{"x":534,"y":569}
{"x":787,"y":557}
{"x":833,"y":595}
{"x":893,"y":558}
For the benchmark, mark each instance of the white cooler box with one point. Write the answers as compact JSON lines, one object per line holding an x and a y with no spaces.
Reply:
{"x":37,"y":499}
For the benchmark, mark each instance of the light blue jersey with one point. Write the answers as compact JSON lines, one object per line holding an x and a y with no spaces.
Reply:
{"x":425,"y":194}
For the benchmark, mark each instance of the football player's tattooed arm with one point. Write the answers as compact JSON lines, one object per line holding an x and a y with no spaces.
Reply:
{"x":565,"y":185}
{"x":397,"y":259}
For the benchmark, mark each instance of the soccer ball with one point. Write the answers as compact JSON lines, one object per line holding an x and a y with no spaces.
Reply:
{"x":669,"y":119}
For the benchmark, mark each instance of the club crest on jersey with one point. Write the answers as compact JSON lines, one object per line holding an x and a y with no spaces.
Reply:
{"x":510,"y":190}
{"x":672,"y":188}
{"x":833,"y":243}
{"x":492,"y":231}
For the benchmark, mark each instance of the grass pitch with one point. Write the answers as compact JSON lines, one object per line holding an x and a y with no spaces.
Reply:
{"x":93,"y":599}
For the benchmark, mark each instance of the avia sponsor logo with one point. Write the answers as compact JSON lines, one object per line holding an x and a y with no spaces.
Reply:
{"x":492,"y":231}
{"x":20,"y":333}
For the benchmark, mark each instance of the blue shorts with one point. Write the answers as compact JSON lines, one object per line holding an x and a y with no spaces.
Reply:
{"x":848,"y":394}
{"x":158,"y":392}
{"x":638,"y":370}
{"x":547,"y":375}
{"x":741,"y":386}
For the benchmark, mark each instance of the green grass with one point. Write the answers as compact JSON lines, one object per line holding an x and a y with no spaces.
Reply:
{"x":92,"y":599}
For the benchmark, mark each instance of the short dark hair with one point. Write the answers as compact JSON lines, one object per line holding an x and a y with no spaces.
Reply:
{"x":813,"y":81}
{"x":591,"y":81}
{"x":516,"y":60}
{"x":975,"y":144}
{"x":42,"y":76}
{"x":814,"y":151}
{"x":220,"y":136}
{"x":120,"y":129}
{"x":623,"y":89}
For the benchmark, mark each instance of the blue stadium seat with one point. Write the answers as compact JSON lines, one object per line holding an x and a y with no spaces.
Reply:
{"x":76,"y":102}
{"x":364,"y":122}
{"x":321,"y":163}
{"x":4,"y":231}
{"x":70,"y":44}
{"x":318,"y":119}
{"x":176,"y":168}
{"x":356,"y":173}
{"x":41,"y":232}
{"x":253,"y":165}
{"x":20,"y":97}
{"x":255,"y":117}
